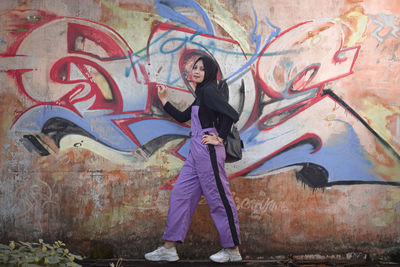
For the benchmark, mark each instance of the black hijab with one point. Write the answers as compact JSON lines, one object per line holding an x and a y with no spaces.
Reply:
{"x":210,"y":69}
{"x":207,"y":92}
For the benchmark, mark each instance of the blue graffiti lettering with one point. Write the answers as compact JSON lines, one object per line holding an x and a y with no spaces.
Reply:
{"x":257,"y":40}
{"x":166,"y":9}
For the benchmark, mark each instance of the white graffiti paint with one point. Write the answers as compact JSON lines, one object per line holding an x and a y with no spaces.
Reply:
{"x":385,"y":20}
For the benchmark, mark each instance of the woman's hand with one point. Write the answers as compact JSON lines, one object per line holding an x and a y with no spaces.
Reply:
{"x":162,"y":93}
{"x":211,"y":139}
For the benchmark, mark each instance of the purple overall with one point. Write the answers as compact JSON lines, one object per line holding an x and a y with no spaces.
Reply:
{"x":203,"y":173}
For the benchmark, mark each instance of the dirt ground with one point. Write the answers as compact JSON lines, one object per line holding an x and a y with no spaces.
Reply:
{"x":205,"y":263}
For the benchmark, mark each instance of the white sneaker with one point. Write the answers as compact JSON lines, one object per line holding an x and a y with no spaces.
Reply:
{"x":225,"y":255}
{"x":162,"y":254}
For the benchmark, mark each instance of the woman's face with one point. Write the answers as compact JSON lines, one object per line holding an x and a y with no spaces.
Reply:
{"x":198,"y":72}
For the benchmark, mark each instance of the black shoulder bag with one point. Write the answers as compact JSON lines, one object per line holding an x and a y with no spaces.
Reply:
{"x":233,"y":143}
{"x":233,"y":146}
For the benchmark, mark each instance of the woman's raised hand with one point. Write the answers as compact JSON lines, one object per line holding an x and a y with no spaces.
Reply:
{"x":162,"y":93}
{"x":211,"y":139}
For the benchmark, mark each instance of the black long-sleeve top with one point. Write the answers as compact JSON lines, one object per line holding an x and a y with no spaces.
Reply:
{"x":212,"y":109}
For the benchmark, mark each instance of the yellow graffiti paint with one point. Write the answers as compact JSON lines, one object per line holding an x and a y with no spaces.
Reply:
{"x":102,"y":83}
{"x":356,"y":22}
{"x":331,"y":117}
{"x":134,"y":26}
{"x":377,"y":114}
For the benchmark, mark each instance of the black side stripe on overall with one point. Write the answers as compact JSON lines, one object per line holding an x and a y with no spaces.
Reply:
{"x":222,"y":194}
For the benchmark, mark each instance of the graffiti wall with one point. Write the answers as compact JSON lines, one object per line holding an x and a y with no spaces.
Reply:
{"x":90,"y":157}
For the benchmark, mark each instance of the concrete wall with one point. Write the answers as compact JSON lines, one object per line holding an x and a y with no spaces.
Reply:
{"x":89,"y":157}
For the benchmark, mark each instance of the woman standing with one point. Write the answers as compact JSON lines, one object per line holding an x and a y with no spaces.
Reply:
{"x":203,"y":172}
